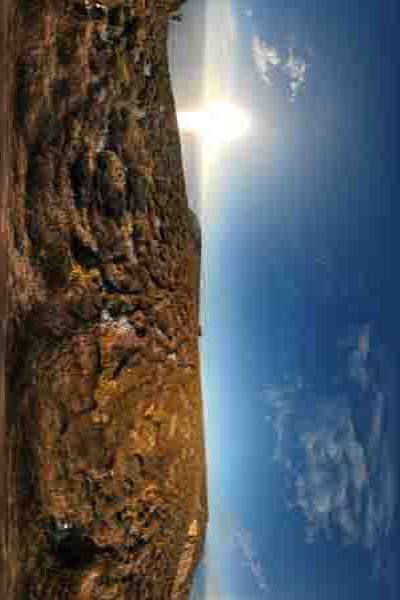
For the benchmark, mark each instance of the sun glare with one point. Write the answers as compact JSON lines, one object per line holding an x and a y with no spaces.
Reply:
{"x":217,"y":124}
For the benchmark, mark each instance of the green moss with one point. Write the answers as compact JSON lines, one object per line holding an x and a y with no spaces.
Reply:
{"x":121,"y":69}
{"x":29,"y":8}
{"x":28,"y":201}
{"x":119,"y":306}
{"x":138,"y":232}
{"x":62,"y":470}
{"x":163,"y":81}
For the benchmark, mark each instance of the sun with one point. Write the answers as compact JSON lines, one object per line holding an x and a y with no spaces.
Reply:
{"x":217,"y":124}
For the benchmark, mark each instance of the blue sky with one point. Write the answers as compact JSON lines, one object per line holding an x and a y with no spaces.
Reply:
{"x":300,"y":250}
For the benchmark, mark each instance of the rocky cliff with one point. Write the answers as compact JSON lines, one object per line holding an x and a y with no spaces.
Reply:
{"x":106,"y":461}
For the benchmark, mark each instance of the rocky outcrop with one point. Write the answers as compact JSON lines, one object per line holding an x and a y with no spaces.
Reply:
{"x":104,"y":415}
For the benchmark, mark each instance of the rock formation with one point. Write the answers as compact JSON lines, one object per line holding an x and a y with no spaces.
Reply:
{"x":106,"y":482}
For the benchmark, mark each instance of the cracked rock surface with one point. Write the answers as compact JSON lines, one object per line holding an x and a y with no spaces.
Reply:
{"x":107,"y":476}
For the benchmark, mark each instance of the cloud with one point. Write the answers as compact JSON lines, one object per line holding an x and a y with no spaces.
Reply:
{"x":359,"y":370}
{"x":244,"y":543}
{"x":295,"y":68}
{"x":344,"y":484}
{"x":269,"y":63}
{"x":236,"y":538}
{"x":327,"y":482}
{"x":248,"y":12}
{"x":229,"y":545}
{"x":266,"y":59}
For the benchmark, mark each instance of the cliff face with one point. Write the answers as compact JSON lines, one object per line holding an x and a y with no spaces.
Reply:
{"x":106,"y":480}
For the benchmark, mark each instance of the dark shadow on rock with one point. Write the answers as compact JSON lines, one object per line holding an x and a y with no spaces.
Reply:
{"x":72,"y":548}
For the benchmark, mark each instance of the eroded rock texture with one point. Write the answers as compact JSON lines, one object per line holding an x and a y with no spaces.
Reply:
{"x":108,"y":500}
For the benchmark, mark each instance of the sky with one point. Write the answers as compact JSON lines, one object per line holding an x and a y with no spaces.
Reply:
{"x":299,"y":302}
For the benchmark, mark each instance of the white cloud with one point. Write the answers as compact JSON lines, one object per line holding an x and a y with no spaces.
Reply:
{"x":269,"y":62}
{"x":266,"y":58}
{"x":248,"y":12}
{"x":295,"y":68}
{"x":344,"y":484}
{"x":358,"y":371}
{"x":358,"y":360}
{"x":229,"y":541}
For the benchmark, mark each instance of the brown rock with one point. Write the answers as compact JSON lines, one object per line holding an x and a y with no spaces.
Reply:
{"x":105,"y":449}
